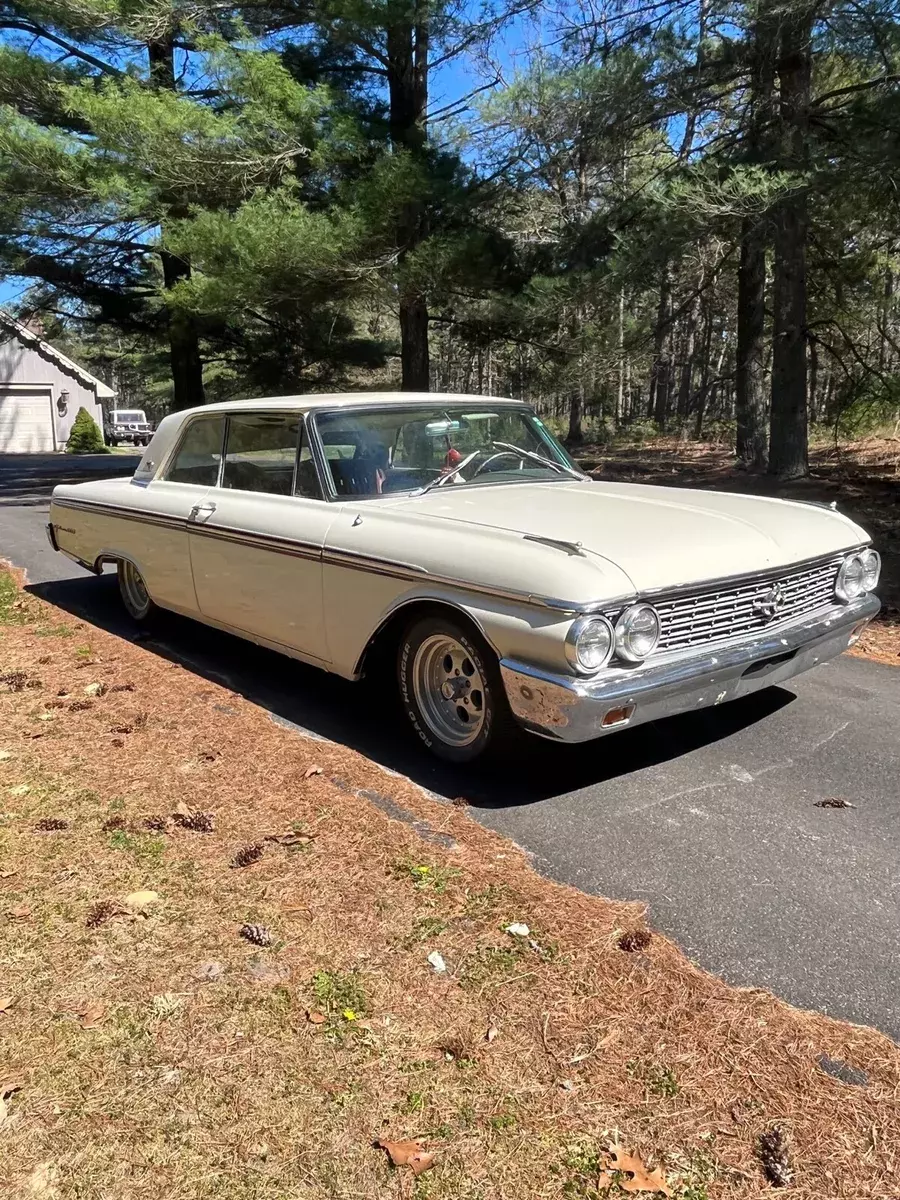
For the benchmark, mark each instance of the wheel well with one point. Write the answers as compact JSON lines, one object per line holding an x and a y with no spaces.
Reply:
{"x":386,"y":638}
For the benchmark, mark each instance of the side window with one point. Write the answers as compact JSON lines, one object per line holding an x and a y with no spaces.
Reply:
{"x":260,"y":452}
{"x":307,"y":476}
{"x":197,"y":458}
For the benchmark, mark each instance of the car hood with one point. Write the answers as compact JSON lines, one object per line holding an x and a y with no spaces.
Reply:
{"x":659,"y":537}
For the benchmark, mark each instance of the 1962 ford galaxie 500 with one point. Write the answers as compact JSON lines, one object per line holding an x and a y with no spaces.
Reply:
{"x":454,"y":534}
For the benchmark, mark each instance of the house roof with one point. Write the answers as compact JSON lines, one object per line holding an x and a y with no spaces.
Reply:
{"x":24,"y":334}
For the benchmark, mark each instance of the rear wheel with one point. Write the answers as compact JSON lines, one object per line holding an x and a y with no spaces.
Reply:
{"x":134,"y":592}
{"x":451,"y":690}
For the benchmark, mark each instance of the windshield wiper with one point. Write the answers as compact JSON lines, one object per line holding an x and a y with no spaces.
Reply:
{"x":535,"y":457}
{"x":442,"y":479}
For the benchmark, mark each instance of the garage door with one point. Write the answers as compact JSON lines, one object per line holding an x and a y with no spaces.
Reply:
{"x":26,"y":422}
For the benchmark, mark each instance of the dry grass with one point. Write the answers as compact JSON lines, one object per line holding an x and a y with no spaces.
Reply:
{"x":863,"y":477}
{"x":158,"y":1054}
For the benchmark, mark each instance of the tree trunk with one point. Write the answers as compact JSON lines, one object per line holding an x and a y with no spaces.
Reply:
{"x":576,"y":417}
{"x":788,"y":454}
{"x":688,"y":352}
{"x":658,"y":406}
{"x":407,"y":72}
{"x":750,"y":383}
{"x":750,"y":372}
{"x":184,"y":340}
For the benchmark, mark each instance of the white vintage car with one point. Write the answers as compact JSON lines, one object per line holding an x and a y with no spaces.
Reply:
{"x":453,"y":536}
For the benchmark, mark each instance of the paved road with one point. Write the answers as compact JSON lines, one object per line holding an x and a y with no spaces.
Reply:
{"x":710,"y":818}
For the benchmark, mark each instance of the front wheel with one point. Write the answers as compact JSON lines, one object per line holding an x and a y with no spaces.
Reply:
{"x":134,"y":593}
{"x":451,"y":690}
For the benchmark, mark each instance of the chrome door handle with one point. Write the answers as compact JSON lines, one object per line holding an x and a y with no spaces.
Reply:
{"x":198,"y":509}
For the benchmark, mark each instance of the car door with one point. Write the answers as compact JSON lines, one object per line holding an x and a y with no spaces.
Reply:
{"x":163,"y":508}
{"x":256,"y":540}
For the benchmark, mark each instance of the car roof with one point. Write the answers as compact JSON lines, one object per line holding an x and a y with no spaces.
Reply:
{"x":351,"y":400}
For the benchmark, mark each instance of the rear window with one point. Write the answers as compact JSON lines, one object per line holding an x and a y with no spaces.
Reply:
{"x":197,"y":458}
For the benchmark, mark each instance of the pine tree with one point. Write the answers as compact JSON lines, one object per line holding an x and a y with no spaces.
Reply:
{"x":85,"y":436}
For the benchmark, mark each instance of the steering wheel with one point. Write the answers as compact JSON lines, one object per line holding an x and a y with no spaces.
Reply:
{"x":493,"y":458}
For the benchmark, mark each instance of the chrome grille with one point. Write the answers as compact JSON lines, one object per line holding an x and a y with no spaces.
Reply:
{"x":730,"y":609}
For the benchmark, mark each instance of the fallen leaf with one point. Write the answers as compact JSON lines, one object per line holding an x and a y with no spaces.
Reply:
{"x":20,"y":912}
{"x":182,"y":810}
{"x":642,"y":1179}
{"x":92,"y":1015}
{"x":421,"y":1162}
{"x":210,"y":970}
{"x":289,"y":839}
{"x":6,"y":1090}
{"x":42,"y":1180}
{"x":409,"y":1154}
{"x":491,"y":1033}
{"x":604,"y":1181}
{"x":21,"y":789}
{"x":6,"y":1002}
{"x":437,"y":961}
{"x":9,"y":874}
{"x":5,"y":755}
{"x":45,"y":716}
{"x":310,"y":771}
{"x":95,"y":689}
{"x":517,"y":929}
{"x":140,"y":900}
{"x":316,"y":1018}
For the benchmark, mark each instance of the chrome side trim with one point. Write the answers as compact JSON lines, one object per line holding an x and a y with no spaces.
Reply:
{"x":117,"y":510}
{"x":350,"y":559}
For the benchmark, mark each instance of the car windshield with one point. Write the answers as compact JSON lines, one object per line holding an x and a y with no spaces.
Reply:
{"x":133,"y":415}
{"x":373,"y":452}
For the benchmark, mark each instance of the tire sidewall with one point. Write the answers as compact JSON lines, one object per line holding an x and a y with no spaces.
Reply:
{"x":149,"y":615}
{"x":410,"y":642}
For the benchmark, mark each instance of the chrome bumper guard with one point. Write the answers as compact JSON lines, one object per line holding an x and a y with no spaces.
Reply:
{"x":572,"y":709}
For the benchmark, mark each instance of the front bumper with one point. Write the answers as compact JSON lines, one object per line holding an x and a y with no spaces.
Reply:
{"x":571,"y":709}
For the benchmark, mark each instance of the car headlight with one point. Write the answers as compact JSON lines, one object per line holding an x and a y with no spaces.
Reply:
{"x":871,"y":569}
{"x":589,"y":644}
{"x":851,"y":578}
{"x":637,"y":632}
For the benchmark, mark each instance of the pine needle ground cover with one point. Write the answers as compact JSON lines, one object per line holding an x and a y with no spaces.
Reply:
{"x":357,"y":1007}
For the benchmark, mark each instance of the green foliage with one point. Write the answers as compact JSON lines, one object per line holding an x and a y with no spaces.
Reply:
{"x":337,"y":993}
{"x":85,"y":436}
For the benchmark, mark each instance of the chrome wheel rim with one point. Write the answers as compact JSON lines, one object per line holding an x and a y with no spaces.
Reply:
{"x":134,"y":592}
{"x":449,"y":690}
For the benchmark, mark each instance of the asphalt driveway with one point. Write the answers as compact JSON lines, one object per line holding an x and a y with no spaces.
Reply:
{"x":714,"y":819}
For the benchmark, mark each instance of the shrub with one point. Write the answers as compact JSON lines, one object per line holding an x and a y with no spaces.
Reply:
{"x":85,"y":437}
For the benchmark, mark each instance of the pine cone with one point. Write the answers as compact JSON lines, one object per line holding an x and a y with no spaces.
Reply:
{"x":198,"y":822}
{"x":81,"y":705}
{"x":15,"y":680}
{"x":257,"y":934}
{"x":635,"y":939}
{"x":248,"y":855}
{"x":101,"y":911}
{"x":772,"y":1148}
{"x":112,"y":824}
{"x":51,"y":824}
{"x":157,"y":823}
